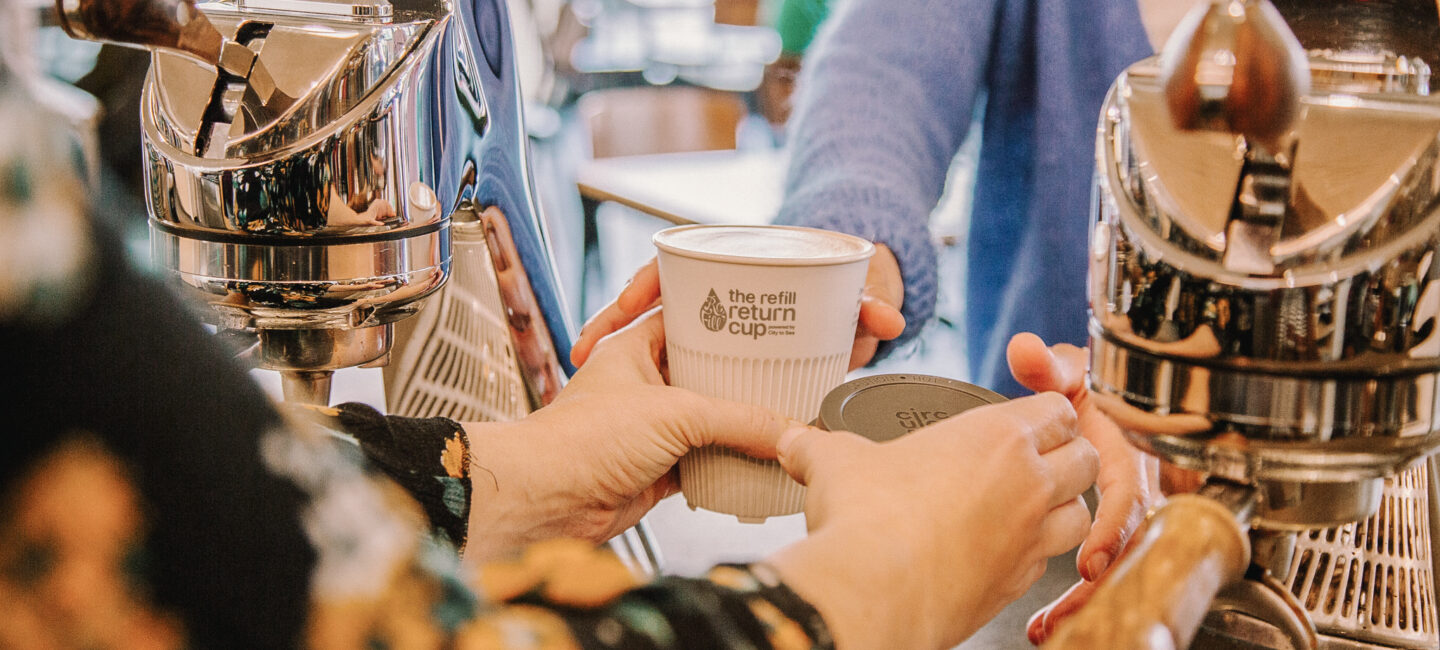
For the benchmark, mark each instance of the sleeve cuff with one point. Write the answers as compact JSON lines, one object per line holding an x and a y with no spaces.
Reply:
{"x":428,"y":457}
{"x":885,"y":221}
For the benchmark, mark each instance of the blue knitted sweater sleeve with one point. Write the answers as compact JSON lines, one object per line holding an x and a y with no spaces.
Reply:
{"x":885,"y":98}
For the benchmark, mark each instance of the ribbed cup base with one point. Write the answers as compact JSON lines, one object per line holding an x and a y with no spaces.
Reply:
{"x":726,"y":481}
{"x":722,"y":480}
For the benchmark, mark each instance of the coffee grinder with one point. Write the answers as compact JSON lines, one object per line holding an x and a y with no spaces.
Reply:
{"x":309,"y":163}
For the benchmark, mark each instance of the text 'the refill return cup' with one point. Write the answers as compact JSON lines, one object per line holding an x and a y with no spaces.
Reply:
{"x":764,"y":315}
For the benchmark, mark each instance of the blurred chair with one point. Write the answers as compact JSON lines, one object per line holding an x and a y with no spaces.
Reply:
{"x":640,"y":121}
{"x":645,"y":120}
{"x":737,"y":12}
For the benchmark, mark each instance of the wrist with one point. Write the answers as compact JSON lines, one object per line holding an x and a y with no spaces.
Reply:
{"x":502,"y":507}
{"x":857,"y":599}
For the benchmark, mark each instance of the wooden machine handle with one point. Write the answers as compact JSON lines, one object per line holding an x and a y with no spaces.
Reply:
{"x":1161,"y":590}
{"x":172,"y":24}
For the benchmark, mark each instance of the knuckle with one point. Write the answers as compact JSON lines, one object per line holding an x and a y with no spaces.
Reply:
{"x":1058,"y":406}
{"x":1045,"y":483}
{"x":1089,"y":458}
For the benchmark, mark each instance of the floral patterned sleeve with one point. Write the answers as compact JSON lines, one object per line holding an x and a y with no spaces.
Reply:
{"x":566,"y":593}
{"x":569,"y":593}
{"x":151,"y":497}
{"x":75,"y":560}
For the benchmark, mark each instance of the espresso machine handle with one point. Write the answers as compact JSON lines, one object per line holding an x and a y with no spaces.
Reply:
{"x":1158,"y":595}
{"x":149,"y":24}
{"x":1235,"y":67}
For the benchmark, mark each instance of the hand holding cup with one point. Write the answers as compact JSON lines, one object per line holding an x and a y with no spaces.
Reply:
{"x":764,"y":315}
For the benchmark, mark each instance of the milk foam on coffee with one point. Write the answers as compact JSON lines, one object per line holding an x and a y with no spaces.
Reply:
{"x":764,"y":244}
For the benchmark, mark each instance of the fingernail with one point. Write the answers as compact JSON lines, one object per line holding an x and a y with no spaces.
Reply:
{"x":1096,"y":566}
{"x":1034,"y":628}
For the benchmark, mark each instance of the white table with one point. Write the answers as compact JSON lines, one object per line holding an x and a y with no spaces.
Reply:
{"x":729,"y":187}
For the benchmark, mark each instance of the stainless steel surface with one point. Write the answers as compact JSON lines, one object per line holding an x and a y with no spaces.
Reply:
{"x":341,"y":73}
{"x":1434,"y":464}
{"x":351,"y":8}
{"x":1263,"y":287}
{"x":317,"y":224}
{"x":1230,"y":630}
{"x":253,"y":283}
{"x":306,"y":387}
{"x":1369,"y":72}
{"x":1322,"y":369}
{"x":1263,"y":597}
{"x":1366,"y":584}
{"x":322,"y":349}
{"x":1303,"y":505}
{"x":487,"y":353}
{"x":1373,"y":580}
{"x":304,"y":158}
{"x":456,"y":358}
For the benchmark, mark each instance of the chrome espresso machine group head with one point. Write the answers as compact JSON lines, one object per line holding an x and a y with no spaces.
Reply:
{"x":1265,"y":315}
{"x":309,"y":161}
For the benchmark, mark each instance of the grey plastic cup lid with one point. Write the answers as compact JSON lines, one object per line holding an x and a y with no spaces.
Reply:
{"x":885,"y":407}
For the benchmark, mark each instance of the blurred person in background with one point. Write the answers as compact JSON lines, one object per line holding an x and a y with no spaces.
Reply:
{"x":796,"y":21}
{"x":890,"y":91}
{"x":152,"y":497}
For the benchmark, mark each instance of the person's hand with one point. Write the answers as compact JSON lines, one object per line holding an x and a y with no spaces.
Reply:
{"x":880,"y":318}
{"x":917,"y":542}
{"x":1129,"y":481}
{"x":601,"y":455}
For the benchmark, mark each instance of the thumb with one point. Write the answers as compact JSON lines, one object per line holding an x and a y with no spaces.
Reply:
{"x":803,"y":450}
{"x":1041,"y":368}
{"x":746,"y":428}
{"x":879,"y":317}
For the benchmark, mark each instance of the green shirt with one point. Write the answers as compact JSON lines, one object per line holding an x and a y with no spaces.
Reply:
{"x":797,"y":23}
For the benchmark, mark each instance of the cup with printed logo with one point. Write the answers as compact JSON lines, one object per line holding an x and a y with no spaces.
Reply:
{"x":764,"y":315}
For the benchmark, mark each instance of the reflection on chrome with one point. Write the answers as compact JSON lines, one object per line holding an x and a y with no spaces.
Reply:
{"x":1264,"y":315}
{"x":304,"y":159}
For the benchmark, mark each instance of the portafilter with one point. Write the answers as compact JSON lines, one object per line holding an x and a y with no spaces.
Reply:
{"x":308,"y":161}
{"x":1264,"y":297}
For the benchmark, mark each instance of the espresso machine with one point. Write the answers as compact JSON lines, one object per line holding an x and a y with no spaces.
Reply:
{"x":320,"y":170}
{"x":1265,"y":318}
{"x":312,"y":165}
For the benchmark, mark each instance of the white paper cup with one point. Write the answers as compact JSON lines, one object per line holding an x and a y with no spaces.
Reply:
{"x":764,"y":315}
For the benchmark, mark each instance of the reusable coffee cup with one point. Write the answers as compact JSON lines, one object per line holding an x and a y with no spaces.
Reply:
{"x":764,"y":315}
{"x":885,"y":407}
